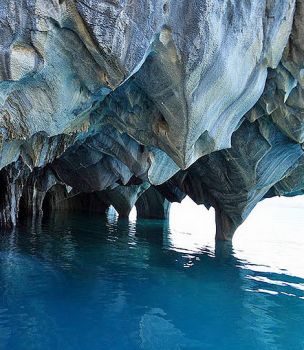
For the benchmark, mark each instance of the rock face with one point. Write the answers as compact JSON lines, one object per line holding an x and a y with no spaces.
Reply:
{"x":143,"y":102}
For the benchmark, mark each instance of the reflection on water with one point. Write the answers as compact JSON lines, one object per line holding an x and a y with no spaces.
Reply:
{"x":271,"y":239}
{"x":103,"y":283}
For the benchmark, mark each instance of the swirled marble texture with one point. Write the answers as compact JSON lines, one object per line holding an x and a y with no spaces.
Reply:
{"x":142,"y":102}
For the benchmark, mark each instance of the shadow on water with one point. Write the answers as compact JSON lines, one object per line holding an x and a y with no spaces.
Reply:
{"x":73,"y":282}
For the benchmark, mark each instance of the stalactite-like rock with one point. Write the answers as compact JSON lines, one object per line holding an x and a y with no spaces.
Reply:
{"x":101,"y":99}
{"x":123,"y":198}
{"x":233,"y":181}
{"x":152,"y":205}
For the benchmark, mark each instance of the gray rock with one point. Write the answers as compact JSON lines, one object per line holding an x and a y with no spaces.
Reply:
{"x":233,"y":181}
{"x":101,"y":99}
{"x":152,"y":205}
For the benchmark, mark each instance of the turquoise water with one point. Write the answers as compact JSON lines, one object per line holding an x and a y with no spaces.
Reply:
{"x":102,"y":283}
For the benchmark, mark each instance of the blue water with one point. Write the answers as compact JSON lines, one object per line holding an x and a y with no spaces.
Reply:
{"x":102,"y":283}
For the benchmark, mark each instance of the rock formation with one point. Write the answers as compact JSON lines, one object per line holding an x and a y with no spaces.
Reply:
{"x":142,"y":102}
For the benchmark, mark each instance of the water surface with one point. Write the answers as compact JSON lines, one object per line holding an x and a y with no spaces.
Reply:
{"x":101,"y":283}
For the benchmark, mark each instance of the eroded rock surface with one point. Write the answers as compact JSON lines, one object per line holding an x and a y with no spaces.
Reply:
{"x":101,"y":101}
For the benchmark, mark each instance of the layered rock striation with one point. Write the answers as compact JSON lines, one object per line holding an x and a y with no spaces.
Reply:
{"x":143,"y":102}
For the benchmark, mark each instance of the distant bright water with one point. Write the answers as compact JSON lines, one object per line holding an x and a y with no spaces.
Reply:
{"x":93,"y":283}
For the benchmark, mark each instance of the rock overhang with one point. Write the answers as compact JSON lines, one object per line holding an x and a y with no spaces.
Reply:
{"x":110,"y":94}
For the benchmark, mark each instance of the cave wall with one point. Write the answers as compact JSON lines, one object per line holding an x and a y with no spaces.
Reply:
{"x":143,"y":102}
{"x":152,"y":205}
